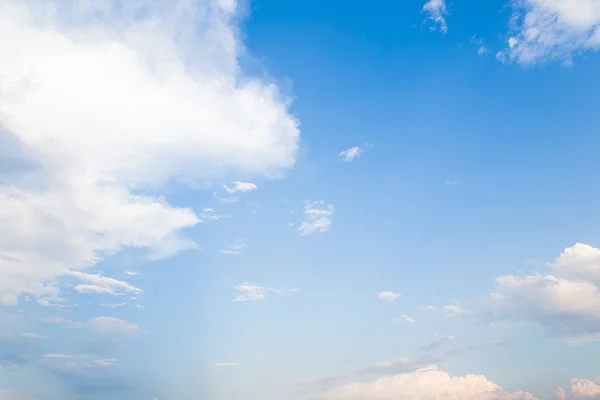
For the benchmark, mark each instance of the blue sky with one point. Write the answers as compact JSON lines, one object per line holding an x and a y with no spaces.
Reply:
{"x":299,"y":199}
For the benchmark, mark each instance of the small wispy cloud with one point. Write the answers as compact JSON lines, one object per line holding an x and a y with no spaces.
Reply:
{"x":99,"y":284}
{"x":209,"y":214}
{"x":405,"y":318}
{"x":226,"y":364}
{"x":455,"y":310}
{"x":233,"y":249}
{"x":451,"y":182}
{"x":436,"y":11}
{"x":240,"y":187}
{"x":132,"y":273}
{"x":427,"y":308}
{"x":117,"y":305}
{"x":388,"y":296}
{"x":252,"y":292}
{"x":33,"y":336}
{"x":317,"y":217}
{"x":353,"y":153}
{"x":440,"y":340}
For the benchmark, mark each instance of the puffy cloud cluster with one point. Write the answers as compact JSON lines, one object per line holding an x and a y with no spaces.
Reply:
{"x":428,"y":383}
{"x":436,"y":11}
{"x":580,"y":389}
{"x":553,"y":29}
{"x":566,"y":302}
{"x":317,"y":217}
{"x":102,"y":102}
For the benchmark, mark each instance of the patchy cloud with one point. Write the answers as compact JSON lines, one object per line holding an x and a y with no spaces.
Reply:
{"x":436,"y":12}
{"x":237,"y":187}
{"x":353,"y":153}
{"x":256,"y":292}
{"x":317,"y":217}
{"x":233,"y":249}
{"x":102,"y":284}
{"x":547,"y":30}
{"x":405,"y":318}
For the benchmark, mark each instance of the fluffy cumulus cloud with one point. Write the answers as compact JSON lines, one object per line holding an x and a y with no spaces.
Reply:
{"x":105,"y":101}
{"x":428,"y":383}
{"x":566,"y":301}
{"x":388,"y":296}
{"x":580,"y":389}
{"x":317,"y":217}
{"x":436,"y":12}
{"x":546,"y":30}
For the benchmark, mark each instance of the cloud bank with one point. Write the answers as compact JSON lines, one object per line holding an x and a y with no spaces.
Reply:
{"x":107,"y":101}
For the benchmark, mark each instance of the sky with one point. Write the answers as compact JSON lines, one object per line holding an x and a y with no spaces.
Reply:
{"x":303,"y":200}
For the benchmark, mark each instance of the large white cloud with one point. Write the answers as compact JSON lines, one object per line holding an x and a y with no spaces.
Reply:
{"x":554,"y":29}
{"x":107,"y":100}
{"x":428,"y":383}
{"x":567,"y":302}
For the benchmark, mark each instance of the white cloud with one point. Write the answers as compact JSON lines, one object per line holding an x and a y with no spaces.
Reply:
{"x":226,"y":364}
{"x":108,"y":104}
{"x":208,"y":214}
{"x":580,"y":389}
{"x":428,"y":383}
{"x":76,"y":365}
{"x":132,"y":273}
{"x":501,"y":56}
{"x":436,"y":11}
{"x":255,"y":292}
{"x":578,"y":262}
{"x":405,"y":318}
{"x":115,"y":305}
{"x":427,"y":308}
{"x":389,"y":296}
{"x":482,"y":50}
{"x":545,"y":30}
{"x":584,"y":388}
{"x":233,"y":249}
{"x":317,"y":217}
{"x":454,"y":310}
{"x":567,"y":302}
{"x":240,"y":187}
{"x":351,"y":154}
{"x":250,"y":293}
{"x":102,"y":284}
